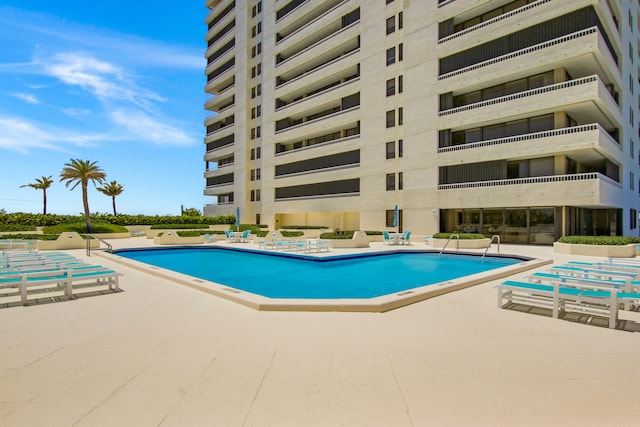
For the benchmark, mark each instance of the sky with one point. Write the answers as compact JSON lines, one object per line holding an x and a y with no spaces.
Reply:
{"x":120,"y":83}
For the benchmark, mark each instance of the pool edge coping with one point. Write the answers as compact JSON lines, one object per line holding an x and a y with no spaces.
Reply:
{"x":378,"y":304}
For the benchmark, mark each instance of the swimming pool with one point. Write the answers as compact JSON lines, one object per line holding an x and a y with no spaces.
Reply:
{"x":280,"y":277}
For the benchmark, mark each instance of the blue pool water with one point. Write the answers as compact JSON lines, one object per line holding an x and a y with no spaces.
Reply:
{"x":289,"y":276}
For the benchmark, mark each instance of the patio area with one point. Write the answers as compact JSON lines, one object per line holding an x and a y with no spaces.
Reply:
{"x":163,"y":354}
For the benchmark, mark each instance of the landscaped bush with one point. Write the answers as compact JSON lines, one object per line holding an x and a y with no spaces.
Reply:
{"x":40,"y":220}
{"x":462,"y":236}
{"x":81,"y":227}
{"x":305,"y":227}
{"x":291,"y":233}
{"x":178,"y":226}
{"x":30,"y":236}
{"x":17,"y":227}
{"x":347,"y":234}
{"x":599,"y":240}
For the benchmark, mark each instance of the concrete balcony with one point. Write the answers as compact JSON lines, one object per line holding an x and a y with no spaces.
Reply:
{"x":339,"y":119}
{"x":216,"y":190}
{"x":586,"y":99}
{"x":585,"y":143}
{"x":587,"y":189}
{"x":582,"y":53}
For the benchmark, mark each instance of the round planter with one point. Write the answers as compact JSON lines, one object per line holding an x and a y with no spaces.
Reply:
{"x":461,"y":243}
{"x":607,"y":251}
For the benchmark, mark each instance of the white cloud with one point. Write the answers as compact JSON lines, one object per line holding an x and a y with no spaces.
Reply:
{"x":139,"y":125}
{"x":76,"y":112}
{"x":26,"y":97}
{"x":103,"y":79}
{"x":21,"y":135}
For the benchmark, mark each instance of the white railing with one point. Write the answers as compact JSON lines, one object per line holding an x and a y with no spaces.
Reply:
{"x":313,"y":70}
{"x":329,"y":89}
{"x":526,"y":93}
{"x":308,"y":24}
{"x":319,"y":119}
{"x":520,"y":52}
{"x":533,"y":180}
{"x":444,"y":3}
{"x":524,"y":137}
{"x":492,"y":21}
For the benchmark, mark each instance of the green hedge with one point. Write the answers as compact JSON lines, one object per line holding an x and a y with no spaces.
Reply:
{"x":30,"y":236}
{"x":599,"y":240}
{"x":17,"y":227}
{"x":179,"y":226}
{"x":40,"y":220}
{"x":304,"y":227}
{"x":81,"y":227}
{"x":347,"y":234}
{"x":463,"y":236}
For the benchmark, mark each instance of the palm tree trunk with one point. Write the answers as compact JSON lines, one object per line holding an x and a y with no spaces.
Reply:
{"x":113,"y":199}
{"x":44,"y":201}
{"x":85,"y":202}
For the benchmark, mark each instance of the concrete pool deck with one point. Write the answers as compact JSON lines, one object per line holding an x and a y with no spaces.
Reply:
{"x":162,"y":354}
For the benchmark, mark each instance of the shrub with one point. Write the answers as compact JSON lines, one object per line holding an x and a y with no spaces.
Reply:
{"x":305,"y":227}
{"x":17,"y":227}
{"x":81,"y":227}
{"x":178,"y":226}
{"x":599,"y":240}
{"x":291,"y":233}
{"x":30,"y":236}
{"x":462,"y":236}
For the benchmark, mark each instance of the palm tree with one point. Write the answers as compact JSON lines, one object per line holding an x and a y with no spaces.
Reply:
{"x":41,"y":184}
{"x":112,"y":189}
{"x":81,"y":172}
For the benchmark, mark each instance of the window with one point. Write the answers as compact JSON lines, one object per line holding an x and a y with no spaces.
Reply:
{"x":391,"y":87}
{"x":400,"y":84}
{"x":391,"y":56}
{"x":632,"y":181}
{"x":258,"y":195}
{"x":253,"y":174}
{"x":258,"y":150}
{"x":253,"y":135}
{"x":253,"y":195}
{"x":391,"y":182}
{"x":400,"y":178}
{"x":391,"y":25}
{"x":391,"y":150}
{"x":400,"y":52}
{"x":391,"y":118}
{"x":632,"y":148}
{"x":257,"y":174}
{"x":253,"y":153}
{"x":400,"y":148}
{"x":257,"y":131}
{"x":400,"y":20}
{"x":400,"y":115}
{"x":633,"y":218}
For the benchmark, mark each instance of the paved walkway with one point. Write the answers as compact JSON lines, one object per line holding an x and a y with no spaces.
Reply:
{"x":161,"y":354}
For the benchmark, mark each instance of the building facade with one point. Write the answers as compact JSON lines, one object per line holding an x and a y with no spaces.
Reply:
{"x":510,"y":118}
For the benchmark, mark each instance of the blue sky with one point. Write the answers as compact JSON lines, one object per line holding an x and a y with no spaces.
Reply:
{"x":120,"y":83}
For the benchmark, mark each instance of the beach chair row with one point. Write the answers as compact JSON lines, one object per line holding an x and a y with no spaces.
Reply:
{"x":589,"y":288}
{"x":36,"y":276}
{"x":307,"y":246}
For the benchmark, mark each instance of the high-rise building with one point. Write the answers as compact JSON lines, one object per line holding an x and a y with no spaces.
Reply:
{"x":516,"y":118}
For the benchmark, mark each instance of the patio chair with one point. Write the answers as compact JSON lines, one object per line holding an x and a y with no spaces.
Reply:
{"x":245,"y":236}
{"x":385,"y":238}
{"x":406,"y":236}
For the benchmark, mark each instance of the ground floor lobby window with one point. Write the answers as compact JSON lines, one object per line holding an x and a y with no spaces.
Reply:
{"x":539,"y":225}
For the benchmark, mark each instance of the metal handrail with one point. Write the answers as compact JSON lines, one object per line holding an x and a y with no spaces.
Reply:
{"x":449,"y":239}
{"x":93,"y":236}
{"x":495,"y":236}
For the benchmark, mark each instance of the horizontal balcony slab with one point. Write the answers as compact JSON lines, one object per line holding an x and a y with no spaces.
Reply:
{"x":218,"y":190}
{"x":220,"y":133}
{"x":586,"y":144}
{"x":585,"y":190}
{"x":587,"y":99}
{"x":315,"y":127}
{"x":219,"y":153}
{"x":222,"y":170}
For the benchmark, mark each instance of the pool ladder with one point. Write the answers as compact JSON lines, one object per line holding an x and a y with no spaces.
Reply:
{"x":88,"y":238}
{"x":457,"y":236}
{"x":494,"y":237}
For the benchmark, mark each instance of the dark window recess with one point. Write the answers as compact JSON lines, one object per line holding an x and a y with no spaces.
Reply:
{"x":347,"y":186}
{"x":227,"y":140}
{"x":224,"y":49}
{"x":220,"y":34}
{"x":219,"y":180}
{"x":221,"y":124}
{"x":334,"y":160}
{"x":288,"y":8}
{"x":221,"y":69}
{"x":351,"y":101}
{"x":351,"y":17}
{"x":222,"y":14}
{"x":486,"y":171}
{"x":561,"y":26}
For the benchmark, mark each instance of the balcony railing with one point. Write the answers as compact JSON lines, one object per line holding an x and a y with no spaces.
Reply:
{"x":506,"y":98}
{"x":521,"y":52}
{"x":318,"y":119}
{"x":442,"y":3}
{"x":492,"y":21}
{"x":524,"y":137}
{"x":534,"y":180}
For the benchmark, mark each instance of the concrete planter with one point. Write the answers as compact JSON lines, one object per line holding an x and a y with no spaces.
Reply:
{"x":66,"y":240}
{"x":171,"y":237}
{"x":613,"y":251}
{"x":359,"y":240}
{"x":462,"y":243}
